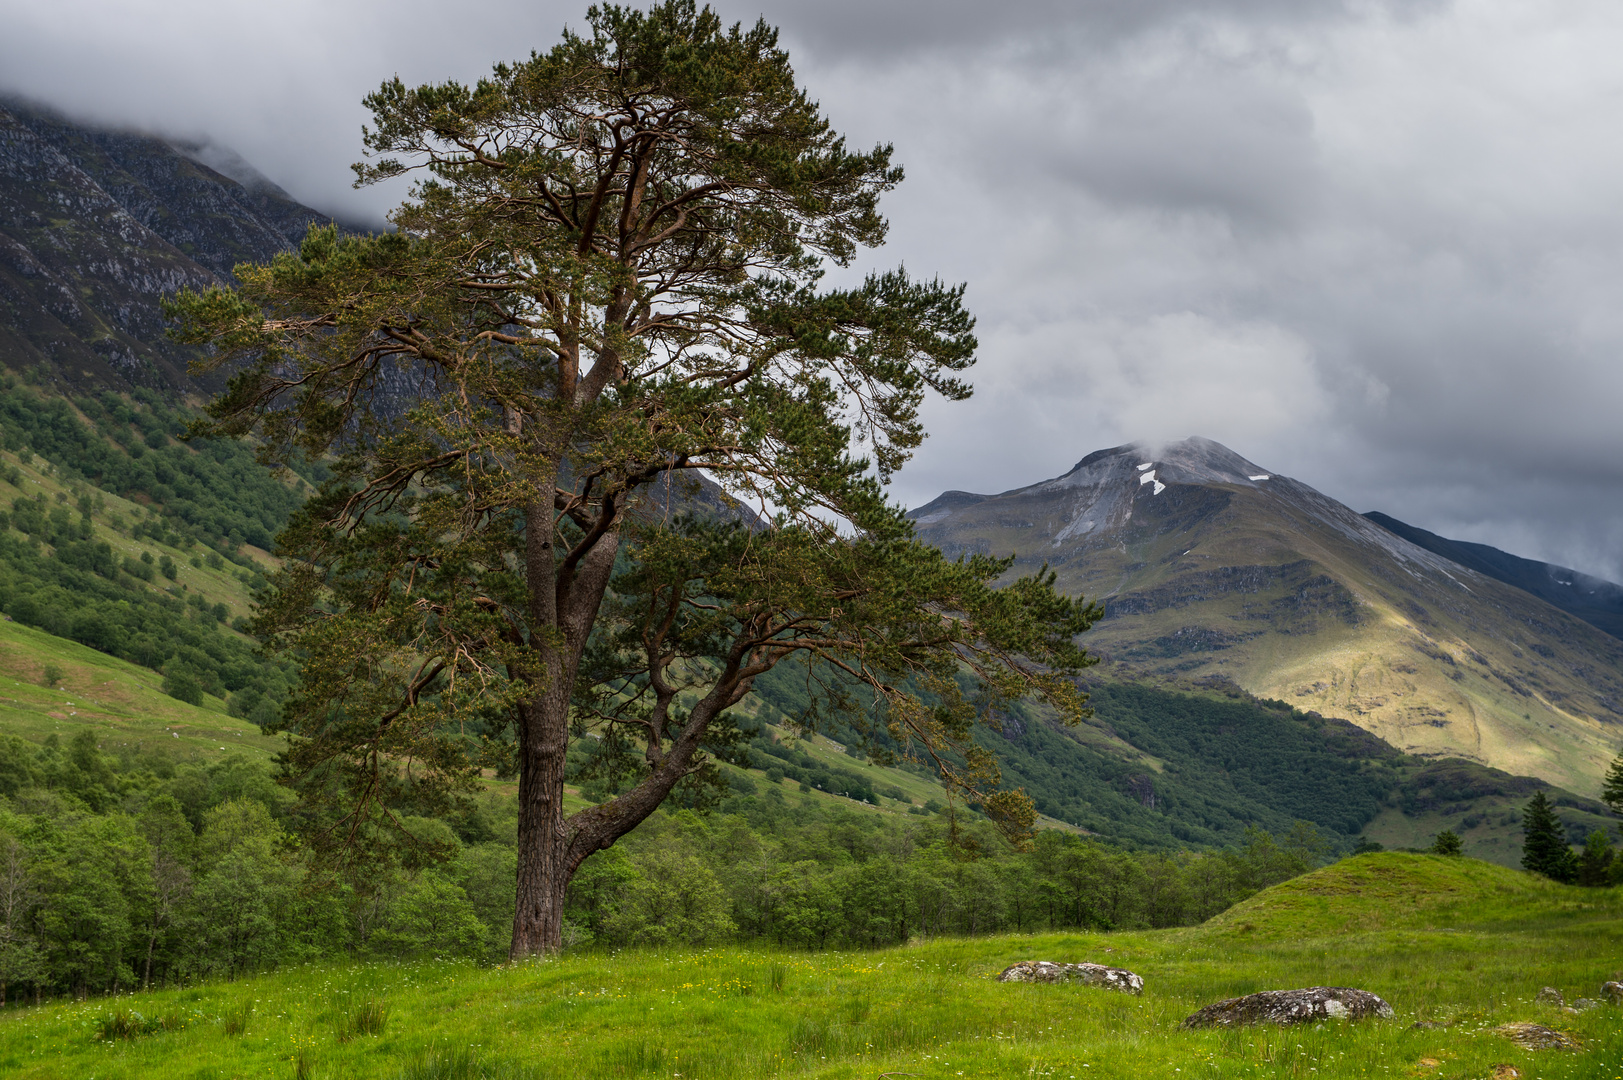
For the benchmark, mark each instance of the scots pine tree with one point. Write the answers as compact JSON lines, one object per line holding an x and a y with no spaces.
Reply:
{"x":1544,"y":841}
{"x":604,"y":301}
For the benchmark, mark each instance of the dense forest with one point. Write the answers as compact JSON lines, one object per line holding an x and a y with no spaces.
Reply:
{"x":124,"y":869}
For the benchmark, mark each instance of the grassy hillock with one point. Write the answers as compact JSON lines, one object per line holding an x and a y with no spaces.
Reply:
{"x":1449,"y":942}
{"x":1402,"y":891}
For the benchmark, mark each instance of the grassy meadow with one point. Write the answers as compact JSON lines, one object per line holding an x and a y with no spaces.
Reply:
{"x":1454,"y":942}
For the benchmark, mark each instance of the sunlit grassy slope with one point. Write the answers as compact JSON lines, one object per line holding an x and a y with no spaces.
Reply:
{"x":1447,"y":941}
{"x":122,"y":701}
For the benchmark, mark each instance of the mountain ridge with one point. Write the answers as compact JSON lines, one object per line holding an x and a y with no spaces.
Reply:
{"x":1209,"y":564}
{"x":96,"y":226}
{"x":1596,"y":601}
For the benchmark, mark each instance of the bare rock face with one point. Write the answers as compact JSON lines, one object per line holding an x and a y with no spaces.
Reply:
{"x":1111,"y":978}
{"x":1291,"y":1007}
{"x":1537,"y":1037}
{"x":1548,"y":995}
{"x":1612,"y":992}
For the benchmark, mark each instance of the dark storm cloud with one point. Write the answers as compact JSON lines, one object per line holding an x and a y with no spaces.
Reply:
{"x":1374,"y":246}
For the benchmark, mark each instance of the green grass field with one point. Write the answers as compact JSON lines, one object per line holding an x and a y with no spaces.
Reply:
{"x":1454,"y":942}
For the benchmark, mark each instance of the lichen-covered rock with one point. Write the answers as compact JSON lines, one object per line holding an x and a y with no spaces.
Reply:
{"x":1612,"y":991}
{"x":1537,"y":1037}
{"x":1548,"y":995}
{"x":1585,"y":1004}
{"x":1111,"y":978}
{"x":1291,"y":1007}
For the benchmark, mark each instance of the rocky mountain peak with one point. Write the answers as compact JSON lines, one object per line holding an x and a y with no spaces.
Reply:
{"x":1194,"y":460}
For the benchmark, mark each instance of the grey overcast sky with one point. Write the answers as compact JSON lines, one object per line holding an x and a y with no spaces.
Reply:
{"x":1375,"y":246}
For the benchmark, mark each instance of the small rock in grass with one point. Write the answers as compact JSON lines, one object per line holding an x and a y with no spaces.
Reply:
{"x":1291,"y":1007}
{"x":1612,"y":991}
{"x":1548,"y":995}
{"x":1537,"y":1037}
{"x":1111,"y":978}
{"x":1428,"y":1025}
{"x":1585,"y":1004}
{"x":1504,"y":1071}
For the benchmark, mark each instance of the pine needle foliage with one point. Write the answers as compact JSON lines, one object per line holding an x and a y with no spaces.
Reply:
{"x":608,"y":282}
{"x":1544,"y":845}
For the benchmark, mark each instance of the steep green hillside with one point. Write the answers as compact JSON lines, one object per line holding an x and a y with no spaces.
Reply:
{"x":120,"y":538}
{"x":1169,"y":763}
{"x":122,"y":702}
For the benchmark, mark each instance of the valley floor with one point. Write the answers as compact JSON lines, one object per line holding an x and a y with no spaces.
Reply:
{"x":1454,"y":942}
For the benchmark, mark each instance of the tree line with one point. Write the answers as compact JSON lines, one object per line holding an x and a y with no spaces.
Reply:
{"x":123,"y":866}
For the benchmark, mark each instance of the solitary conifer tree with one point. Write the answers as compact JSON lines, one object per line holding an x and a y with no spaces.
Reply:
{"x":1611,"y":789}
{"x":609,"y":280}
{"x":1447,"y":842}
{"x":1544,"y":841}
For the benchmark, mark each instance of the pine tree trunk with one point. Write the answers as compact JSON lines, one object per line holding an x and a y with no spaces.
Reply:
{"x":551,"y":847}
{"x":543,"y":874}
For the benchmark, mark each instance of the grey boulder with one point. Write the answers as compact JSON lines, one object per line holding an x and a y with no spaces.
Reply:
{"x":1046,"y":971}
{"x":1537,"y":1037}
{"x":1291,"y":1007}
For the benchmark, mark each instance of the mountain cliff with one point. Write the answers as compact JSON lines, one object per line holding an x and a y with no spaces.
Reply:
{"x":96,"y":226}
{"x":1209,"y":564}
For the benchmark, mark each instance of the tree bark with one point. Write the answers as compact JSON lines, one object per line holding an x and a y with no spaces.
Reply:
{"x":564,"y":603}
{"x":551,"y":847}
{"x":542,"y":837}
